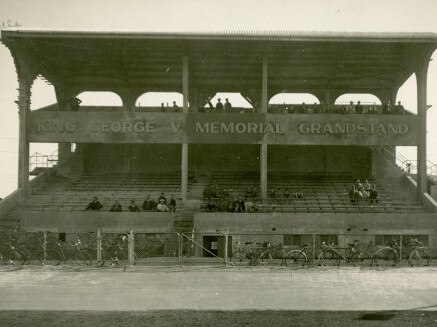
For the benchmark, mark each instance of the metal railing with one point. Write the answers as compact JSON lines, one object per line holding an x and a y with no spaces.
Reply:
{"x":38,"y":160}
{"x":408,"y":165}
{"x":223,"y":248}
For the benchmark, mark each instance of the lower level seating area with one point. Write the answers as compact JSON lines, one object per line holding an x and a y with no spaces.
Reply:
{"x":300,"y":193}
{"x":62,"y":194}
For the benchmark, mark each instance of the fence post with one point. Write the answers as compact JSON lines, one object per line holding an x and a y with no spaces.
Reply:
{"x":99,"y":245}
{"x":314,"y":248}
{"x":179,"y":246}
{"x":44,"y":246}
{"x":226,"y":245}
{"x":401,"y":248}
{"x":130,"y":248}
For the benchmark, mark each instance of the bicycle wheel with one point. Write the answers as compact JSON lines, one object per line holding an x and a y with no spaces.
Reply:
{"x":266,"y":258}
{"x":328,"y":258}
{"x":361,"y":258}
{"x":240,"y":257}
{"x":386,"y":257}
{"x":295,"y":258}
{"x":83,"y":258}
{"x":16,"y":257}
{"x":52,"y":258}
{"x":419,"y":257}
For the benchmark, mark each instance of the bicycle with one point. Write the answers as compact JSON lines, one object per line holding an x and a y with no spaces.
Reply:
{"x":300,"y":257}
{"x":419,"y":255}
{"x":252,"y":255}
{"x":115,"y":250}
{"x":65,"y":252}
{"x":388,"y":255}
{"x":330,"y":255}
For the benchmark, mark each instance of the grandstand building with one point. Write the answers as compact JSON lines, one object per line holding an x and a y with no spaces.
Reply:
{"x":130,"y":152}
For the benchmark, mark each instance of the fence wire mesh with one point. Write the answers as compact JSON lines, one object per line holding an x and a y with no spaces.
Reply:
{"x":234,"y":249}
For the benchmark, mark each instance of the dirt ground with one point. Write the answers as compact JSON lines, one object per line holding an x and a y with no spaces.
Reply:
{"x":217,"y":296}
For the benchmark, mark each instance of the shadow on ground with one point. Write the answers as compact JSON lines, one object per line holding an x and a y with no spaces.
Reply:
{"x":167,"y":318}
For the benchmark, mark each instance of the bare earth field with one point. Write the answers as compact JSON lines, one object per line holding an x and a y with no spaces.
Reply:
{"x":217,"y":296}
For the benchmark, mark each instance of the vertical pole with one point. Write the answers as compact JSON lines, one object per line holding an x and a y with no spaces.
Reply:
{"x":130,"y":248}
{"x":314,"y":248}
{"x":264,"y":94}
{"x":421,"y":77}
{"x":99,"y":245}
{"x":23,"y":143}
{"x":263,"y":172}
{"x":401,"y":249}
{"x":185,"y":83}
{"x":44,"y":246}
{"x":226,"y":245}
{"x":184,"y":173}
{"x":179,"y":247}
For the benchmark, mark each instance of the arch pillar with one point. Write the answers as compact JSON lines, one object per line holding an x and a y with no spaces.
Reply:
{"x":26,"y":76}
{"x":421,"y":80}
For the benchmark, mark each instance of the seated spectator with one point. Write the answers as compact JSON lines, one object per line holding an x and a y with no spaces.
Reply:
{"x":149,"y":204}
{"x":133,"y":207}
{"x":211,"y":207}
{"x":248,"y":204}
{"x":175,"y":107}
{"x":173,"y":204}
{"x":162,"y":206}
{"x":359,"y":186}
{"x":359,"y":108}
{"x":373,"y":195}
{"x":219,"y":105}
{"x":298,"y":194}
{"x":228,"y":105}
{"x":387,"y":108}
{"x":366,"y":186}
{"x":350,"y":109}
{"x":399,"y":109}
{"x":162,"y":197}
{"x":240,"y":205}
{"x":372,"y":110}
{"x":95,"y":205}
{"x":116,"y":207}
{"x":354,"y":195}
{"x":74,"y":103}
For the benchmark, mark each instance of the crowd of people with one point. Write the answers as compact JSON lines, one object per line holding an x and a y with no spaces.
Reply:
{"x":351,"y":108}
{"x":218,"y":199}
{"x":160,"y":205}
{"x":363,"y":191}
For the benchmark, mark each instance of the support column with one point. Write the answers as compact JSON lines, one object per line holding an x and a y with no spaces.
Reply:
{"x":185,"y":83}
{"x":263,"y":172}
{"x":421,"y":78}
{"x":264,"y":94}
{"x":23,"y":143}
{"x":184,"y":173}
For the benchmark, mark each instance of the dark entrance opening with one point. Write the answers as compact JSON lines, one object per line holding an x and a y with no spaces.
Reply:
{"x":216,"y":245}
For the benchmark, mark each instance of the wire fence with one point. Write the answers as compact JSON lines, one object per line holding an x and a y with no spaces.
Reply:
{"x":225,"y":248}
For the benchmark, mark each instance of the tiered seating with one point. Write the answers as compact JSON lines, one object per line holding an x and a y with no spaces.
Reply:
{"x":325,"y":193}
{"x":66,"y":195}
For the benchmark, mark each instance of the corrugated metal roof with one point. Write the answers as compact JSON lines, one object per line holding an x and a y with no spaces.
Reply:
{"x":224,"y":34}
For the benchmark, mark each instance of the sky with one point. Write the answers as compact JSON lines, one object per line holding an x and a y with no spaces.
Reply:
{"x":204,"y":15}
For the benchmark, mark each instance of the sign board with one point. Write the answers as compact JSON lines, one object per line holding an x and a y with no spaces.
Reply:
{"x":245,"y":128}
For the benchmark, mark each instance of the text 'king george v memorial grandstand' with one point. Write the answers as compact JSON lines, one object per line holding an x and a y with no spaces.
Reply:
{"x":269,"y":183}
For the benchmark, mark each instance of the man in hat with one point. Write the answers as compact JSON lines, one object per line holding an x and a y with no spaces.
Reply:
{"x":219,"y":105}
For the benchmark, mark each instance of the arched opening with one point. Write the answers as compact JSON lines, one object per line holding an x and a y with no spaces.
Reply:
{"x":230,"y":102}
{"x":294,"y":103}
{"x":364,"y":98}
{"x":103,"y":99}
{"x":42,"y":94}
{"x":160,"y":101}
